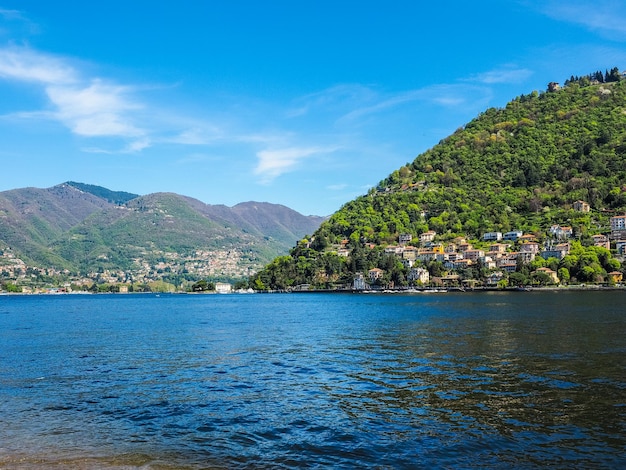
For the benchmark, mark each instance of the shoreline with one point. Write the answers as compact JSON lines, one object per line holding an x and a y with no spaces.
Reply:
{"x":425,"y":290}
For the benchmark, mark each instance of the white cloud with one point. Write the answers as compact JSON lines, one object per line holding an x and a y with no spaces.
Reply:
{"x":273,"y":163}
{"x":23,"y":64}
{"x":607,"y":17}
{"x":89,"y":107}
{"x":94,"y":110}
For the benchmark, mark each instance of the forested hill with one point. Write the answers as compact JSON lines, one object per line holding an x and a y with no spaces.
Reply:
{"x":517,"y":168}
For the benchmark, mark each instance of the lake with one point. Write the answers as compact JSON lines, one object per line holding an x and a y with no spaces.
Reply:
{"x":427,"y":380}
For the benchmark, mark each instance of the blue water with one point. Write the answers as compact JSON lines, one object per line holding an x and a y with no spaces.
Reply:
{"x":459,"y":380}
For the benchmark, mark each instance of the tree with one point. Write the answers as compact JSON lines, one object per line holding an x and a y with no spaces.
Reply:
{"x":202,"y":286}
{"x":518,"y":279}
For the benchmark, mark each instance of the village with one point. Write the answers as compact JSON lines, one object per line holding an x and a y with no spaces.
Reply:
{"x":500,"y":253}
{"x":217,"y":264}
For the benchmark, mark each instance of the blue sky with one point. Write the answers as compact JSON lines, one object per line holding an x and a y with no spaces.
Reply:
{"x":306,"y":104}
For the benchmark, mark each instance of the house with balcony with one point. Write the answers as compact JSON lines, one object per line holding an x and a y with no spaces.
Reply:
{"x":492,"y":236}
{"x":474,"y":255}
{"x":618,"y":227}
{"x":512,"y":235}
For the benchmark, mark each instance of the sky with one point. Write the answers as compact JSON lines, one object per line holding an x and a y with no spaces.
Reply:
{"x":308,"y":104}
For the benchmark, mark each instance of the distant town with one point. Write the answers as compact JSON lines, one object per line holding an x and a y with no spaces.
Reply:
{"x":172,"y":273}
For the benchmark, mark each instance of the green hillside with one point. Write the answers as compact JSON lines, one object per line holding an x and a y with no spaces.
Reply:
{"x":517,"y":168}
{"x":85,"y":234}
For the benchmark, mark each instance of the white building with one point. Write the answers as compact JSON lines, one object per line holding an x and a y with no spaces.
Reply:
{"x":492,"y":236}
{"x":223,"y":288}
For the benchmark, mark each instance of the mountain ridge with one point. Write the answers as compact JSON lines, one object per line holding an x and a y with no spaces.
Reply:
{"x":85,"y":229}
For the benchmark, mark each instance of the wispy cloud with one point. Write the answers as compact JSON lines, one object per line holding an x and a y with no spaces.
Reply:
{"x":23,"y":64}
{"x":275,"y":162}
{"x":447,"y":95}
{"x":17,"y":17}
{"x":333,"y":99}
{"x":503,"y":75}
{"x":607,"y":17}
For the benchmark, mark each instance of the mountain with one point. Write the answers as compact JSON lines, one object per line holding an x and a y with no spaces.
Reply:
{"x":519,"y":168}
{"x":89,"y":229}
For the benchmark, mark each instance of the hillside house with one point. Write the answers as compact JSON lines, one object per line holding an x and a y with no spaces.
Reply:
{"x":409,"y":253}
{"x":426,"y":256}
{"x":496,"y":248}
{"x":420,"y":275}
{"x":618,"y":227}
{"x":492,"y":236}
{"x":494,"y":278}
{"x":512,"y":236}
{"x":405,"y":238}
{"x":529,"y":247}
{"x":616,"y":276}
{"x":464,"y":246}
{"x":489,"y":263}
{"x":553,"y":86}
{"x":620,"y":247}
{"x":558,"y":251}
{"x":561,"y":233}
{"x":581,"y":206}
{"x":474,"y":255}
{"x":344,"y":252}
{"x":458,"y":264}
{"x":618,"y":222}
{"x":375,"y":274}
{"x":394,"y":250}
{"x":601,"y":241}
{"x":427,"y":236}
{"x":450,"y":248}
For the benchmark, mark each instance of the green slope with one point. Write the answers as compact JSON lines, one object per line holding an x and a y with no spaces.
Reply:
{"x":520,"y":167}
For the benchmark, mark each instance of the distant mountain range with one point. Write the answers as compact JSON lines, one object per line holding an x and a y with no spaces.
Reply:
{"x":84,"y":229}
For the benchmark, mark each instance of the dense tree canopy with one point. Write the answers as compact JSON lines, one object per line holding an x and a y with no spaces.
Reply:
{"x":519,"y":167}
